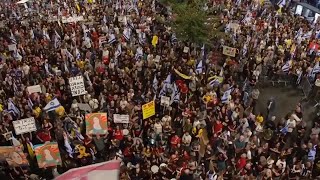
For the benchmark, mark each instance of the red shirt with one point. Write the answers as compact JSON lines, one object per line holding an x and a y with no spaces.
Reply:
{"x":175,"y":140}
{"x":44,"y":136}
{"x":241,"y":163}
{"x":118,"y":135}
{"x":217,"y":127}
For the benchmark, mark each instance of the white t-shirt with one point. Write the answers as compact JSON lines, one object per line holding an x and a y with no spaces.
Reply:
{"x":186,"y":139}
{"x":158,"y":128}
{"x":291,"y":125}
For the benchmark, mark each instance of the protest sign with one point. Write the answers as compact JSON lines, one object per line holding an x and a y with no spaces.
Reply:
{"x":24,"y":125}
{"x":77,"y":86}
{"x":34,"y":89}
{"x":12,"y":47}
{"x":121,"y":118}
{"x":47,"y":154}
{"x":165,"y":101}
{"x":229,"y":51}
{"x":148,"y":110}
{"x":13,"y":155}
{"x":96,"y":123}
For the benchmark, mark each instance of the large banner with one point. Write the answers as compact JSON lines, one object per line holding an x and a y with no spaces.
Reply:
{"x":13,"y":155}
{"x":148,"y":110}
{"x":229,"y":51}
{"x":96,"y":123}
{"x":24,"y":125}
{"x":77,"y":86}
{"x":47,"y":154}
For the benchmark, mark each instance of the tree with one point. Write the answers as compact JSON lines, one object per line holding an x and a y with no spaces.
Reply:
{"x":191,"y":22}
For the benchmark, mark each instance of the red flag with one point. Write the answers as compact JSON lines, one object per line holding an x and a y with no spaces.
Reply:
{"x":106,"y":170}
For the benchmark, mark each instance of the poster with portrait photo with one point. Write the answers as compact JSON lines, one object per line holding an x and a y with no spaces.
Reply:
{"x":13,"y":155}
{"x":96,"y":123}
{"x":47,"y":154}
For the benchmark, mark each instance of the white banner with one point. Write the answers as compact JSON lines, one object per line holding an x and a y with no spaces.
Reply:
{"x":24,"y":125}
{"x":77,"y":86}
{"x":12,"y":47}
{"x":121,"y":118}
{"x":72,"y":19}
{"x":34,"y":89}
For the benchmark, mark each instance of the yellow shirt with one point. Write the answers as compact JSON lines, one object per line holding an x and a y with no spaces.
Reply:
{"x":154,"y":40}
{"x":37,"y":112}
{"x":80,"y":64}
{"x":60,"y":110}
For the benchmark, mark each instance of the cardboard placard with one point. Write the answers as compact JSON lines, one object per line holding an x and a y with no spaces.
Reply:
{"x":13,"y":155}
{"x":24,"y":125}
{"x":12,"y":47}
{"x":120,"y":118}
{"x":34,"y":89}
{"x":229,"y":51}
{"x":77,"y":86}
{"x":96,"y":123}
{"x":148,"y":110}
{"x":47,"y":154}
{"x":165,"y":101}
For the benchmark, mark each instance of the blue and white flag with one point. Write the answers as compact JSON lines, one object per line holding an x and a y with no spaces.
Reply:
{"x":46,"y":35}
{"x":118,"y":51}
{"x":12,"y":108}
{"x":281,"y":3}
{"x":52,"y":105}
{"x":286,"y":67}
{"x":78,"y":55}
{"x":69,"y":55}
{"x":226,"y":95}
{"x":104,"y":20}
{"x":199,"y":68}
{"x":12,"y":38}
{"x":214,"y":83}
{"x":139,"y":53}
{"x":142,"y":38}
{"x":57,"y":40}
{"x":315,"y":70}
{"x":175,"y":96}
{"x":173,"y":38}
{"x":155,"y":84}
{"x":166,"y":85}
{"x":112,"y":38}
{"x":127,"y":34}
{"x":31,"y":34}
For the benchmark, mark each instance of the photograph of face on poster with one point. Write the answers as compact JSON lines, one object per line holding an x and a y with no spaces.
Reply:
{"x":47,"y":154}
{"x":13,"y":155}
{"x":96,"y":123}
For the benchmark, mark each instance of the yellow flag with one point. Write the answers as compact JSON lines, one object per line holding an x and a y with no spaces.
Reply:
{"x":154,"y":41}
{"x":90,"y":1}
{"x":78,"y":7}
{"x":182,"y":75}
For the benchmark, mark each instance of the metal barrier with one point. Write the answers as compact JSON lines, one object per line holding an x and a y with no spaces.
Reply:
{"x":305,"y":86}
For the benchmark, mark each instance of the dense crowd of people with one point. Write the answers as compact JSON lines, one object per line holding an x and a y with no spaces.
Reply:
{"x":209,"y":129}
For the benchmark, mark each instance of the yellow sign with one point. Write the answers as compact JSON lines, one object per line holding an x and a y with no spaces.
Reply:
{"x":148,"y":110}
{"x":229,"y":51}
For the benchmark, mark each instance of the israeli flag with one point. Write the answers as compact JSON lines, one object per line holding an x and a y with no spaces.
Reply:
{"x":202,"y":51}
{"x":175,"y":96}
{"x":12,"y":108}
{"x":46,"y":35}
{"x":52,"y":105}
{"x":57,"y":40}
{"x":165,"y":86}
{"x":12,"y":38}
{"x":238,"y":2}
{"x":78,"y":55}
{"x":118,"y":51}
{"x":139,"y":53}
{"x":281,"y":3}
{"x":315,"y":70}
{"x":215,"y":82}
{"x":104,"y":20}
{"x":142,"y":38}
{"x":69,"y":55}
{"x":112,"y":38}
{"x":286,"y":67}
{"x":155,"y":84}
{"x":226,"y":95}
{"x":307,"y":35}
{"x":199,"y":68}
{"x":17,"y":55}
{"x":127,"y":34}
